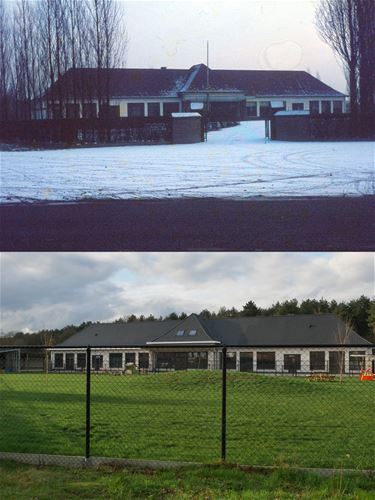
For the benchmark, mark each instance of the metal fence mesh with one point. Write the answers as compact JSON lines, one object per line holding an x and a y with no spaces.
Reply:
{"x":308,"y":412}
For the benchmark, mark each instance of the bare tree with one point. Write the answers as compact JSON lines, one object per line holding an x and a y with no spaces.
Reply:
{"x":365,"y":11}
{"x":343,"y":333}
{"x":5,"y":56}
{"x":47,"y":341}
{"x":336,"y":21}
{"x":41,"y":39}
{"x":109,"y":40}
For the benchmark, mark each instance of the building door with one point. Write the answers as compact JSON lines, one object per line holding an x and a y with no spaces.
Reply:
{"x":336,"y":362}
{"x":97,"y":362}
{"x":292,"y":362}
{"x":69,"y":361}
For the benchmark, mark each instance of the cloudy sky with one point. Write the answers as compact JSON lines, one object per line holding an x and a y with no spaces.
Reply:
{"x":48,"y":290}
{"x":249,"y":34}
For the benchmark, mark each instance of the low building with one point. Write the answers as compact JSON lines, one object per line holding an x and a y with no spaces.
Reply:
{"x":268,"y":344}
{"x":222,"y":95}
{"x":23,"y":358}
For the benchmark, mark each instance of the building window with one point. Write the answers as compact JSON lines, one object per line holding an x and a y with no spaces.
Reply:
{"x":265,"y":108}
{"x":130,"y":357}
{"x":266,"y":361}
{"x":197,"y":360}
{"x":89,"y":110}
{"x":357,"y":360}
{"x":246,"y":362}
{"x":337,"y":107}
{"x":292,"y":362}
{"x":72,"y":110}
{"x":81,"y":360}
{"x":314,"y":107}
{"x":153,"y":109}
{"x":231,"y":360}
{"x":192,"y":333}
{"x":297,"y":106}
{"x":69,"y":361}
{"x":317,"y":360}
{"x":109,"y":112}
{"x":136,"y":109}
{"x":59,"y":360}
{"x":251,"y":109}
{"x":180,"y":333}
{"x":115,"y":360}
{"x":144,"y":360}
{"x":171,"y":107}
{"x":326,"y":107}
{"x":55,"y":111}
{"x":96,"y":361}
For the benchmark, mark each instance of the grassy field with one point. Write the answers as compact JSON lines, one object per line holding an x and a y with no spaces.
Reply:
{"x":270,"y":420}
{"x":21,"y":482}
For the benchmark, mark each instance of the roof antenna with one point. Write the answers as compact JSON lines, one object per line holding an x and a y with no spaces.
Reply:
{"x":208,"y":73}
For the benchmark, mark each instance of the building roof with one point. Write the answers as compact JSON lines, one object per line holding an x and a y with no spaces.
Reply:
{"x":260,"y":83}
{"x":291,"y":330}
{"x":163,"y":82}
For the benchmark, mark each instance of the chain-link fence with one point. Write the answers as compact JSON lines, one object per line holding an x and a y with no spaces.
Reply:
{"x":308,"y":407}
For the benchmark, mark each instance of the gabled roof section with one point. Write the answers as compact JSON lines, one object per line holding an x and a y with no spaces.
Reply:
{"x":189,"y":331}
{"x":129,"y":82}
{"x":290,"y":330}
{"x":260,"y":83}
{"x":119,"y":334}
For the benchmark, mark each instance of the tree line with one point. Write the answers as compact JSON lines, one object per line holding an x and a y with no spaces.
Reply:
{"x":360,"y":313}
{"x":348,"y":26}
{"x":41,"y":39}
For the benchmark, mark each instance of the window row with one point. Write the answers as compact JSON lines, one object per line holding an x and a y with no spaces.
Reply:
{"x":335,"y":361}
{"x":267,"y":108}
{"x":135,"y":109}
{"x":116,"y":360}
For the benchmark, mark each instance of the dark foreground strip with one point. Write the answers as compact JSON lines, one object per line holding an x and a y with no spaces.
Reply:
{"x":307,"y":224}
{"x":73,"y":461}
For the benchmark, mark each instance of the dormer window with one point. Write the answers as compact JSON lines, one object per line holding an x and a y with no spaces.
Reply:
{"x":192,"y":333}
{"x":180,"y":333}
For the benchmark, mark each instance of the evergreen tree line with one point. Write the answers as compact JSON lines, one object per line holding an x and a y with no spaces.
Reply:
{"x":360,"y":313}
{"x":41,"y":39}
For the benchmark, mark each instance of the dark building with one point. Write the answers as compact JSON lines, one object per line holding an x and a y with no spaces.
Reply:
{"x":226,"y":95}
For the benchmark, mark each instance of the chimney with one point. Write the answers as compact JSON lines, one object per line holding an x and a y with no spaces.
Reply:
{"x":163,"y":67}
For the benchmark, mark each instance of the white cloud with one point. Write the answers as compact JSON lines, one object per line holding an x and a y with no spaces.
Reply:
{"x":48,"y":290}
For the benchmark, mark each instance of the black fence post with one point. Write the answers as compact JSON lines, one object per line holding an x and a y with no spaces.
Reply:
{"x":88,"y":401}
{"x":224,"y":405}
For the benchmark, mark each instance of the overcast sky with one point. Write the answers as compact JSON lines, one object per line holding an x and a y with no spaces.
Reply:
{"x":51,"y":290}
{"x":250,"y":34}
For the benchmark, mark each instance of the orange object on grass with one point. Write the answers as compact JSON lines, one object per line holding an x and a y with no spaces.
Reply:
{"x":367,"y":375}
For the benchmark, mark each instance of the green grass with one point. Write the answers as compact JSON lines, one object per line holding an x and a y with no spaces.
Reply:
{"x":207,"y":482}
{"x":177,"y":416}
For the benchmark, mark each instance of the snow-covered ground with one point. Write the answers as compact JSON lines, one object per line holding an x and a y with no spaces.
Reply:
{"x":235,"y":162}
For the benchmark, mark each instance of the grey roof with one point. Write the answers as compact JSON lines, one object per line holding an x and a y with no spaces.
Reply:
{"x":119,"y":334}
{"x":299,"y":329}
{"x":143,"y":82}
{"x":292,"y":330}
{"x":260,"y":83}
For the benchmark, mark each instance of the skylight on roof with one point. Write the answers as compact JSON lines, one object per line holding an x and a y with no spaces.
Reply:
{"x":192,"y":333}
{"x":180,"y":333}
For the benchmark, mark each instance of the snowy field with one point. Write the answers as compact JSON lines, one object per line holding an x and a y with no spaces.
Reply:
{"x":235,"y":163}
